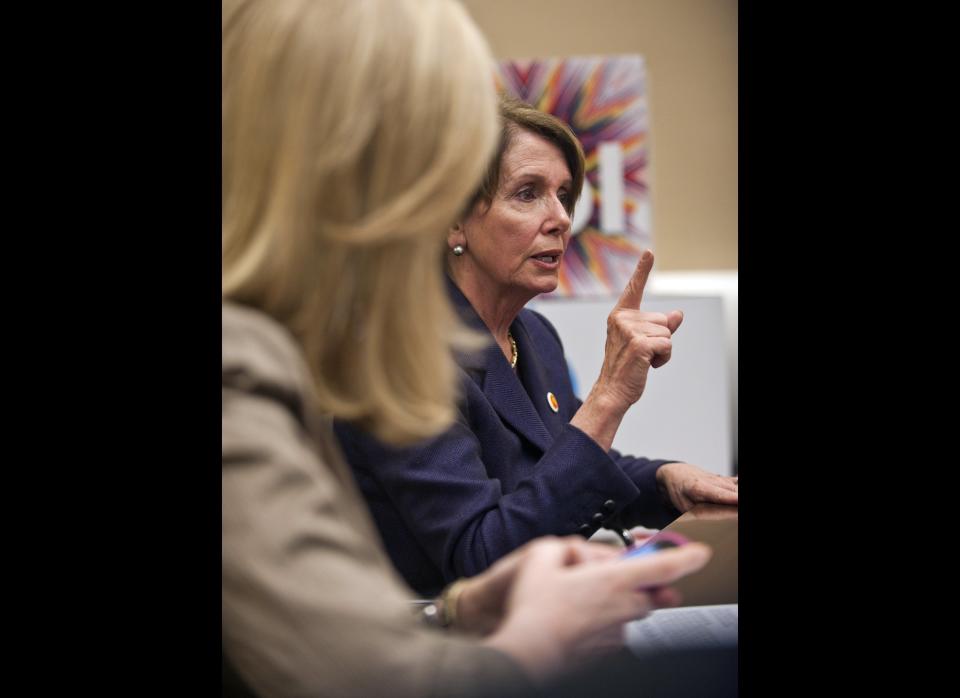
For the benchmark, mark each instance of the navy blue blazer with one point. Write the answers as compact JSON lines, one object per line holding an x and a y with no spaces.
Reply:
{"x":509,"y":470}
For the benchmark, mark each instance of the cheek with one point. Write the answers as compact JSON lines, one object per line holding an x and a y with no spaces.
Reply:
{"x":510,"y":235}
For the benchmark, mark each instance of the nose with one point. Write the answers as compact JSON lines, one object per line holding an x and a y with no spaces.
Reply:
{"x":558,"y":222}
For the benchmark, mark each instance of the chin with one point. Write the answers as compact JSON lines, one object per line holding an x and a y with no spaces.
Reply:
{"x":544,"y":286}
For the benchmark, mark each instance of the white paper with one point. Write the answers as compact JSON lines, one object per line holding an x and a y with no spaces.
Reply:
{"x":684,"y":628}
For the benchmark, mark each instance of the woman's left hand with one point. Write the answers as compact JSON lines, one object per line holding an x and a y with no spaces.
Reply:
{"x":687,"y":485}
{"x":482,"y":602}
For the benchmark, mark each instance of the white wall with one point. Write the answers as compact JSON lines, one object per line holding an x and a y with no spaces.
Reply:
{"x":688,"y":410}
{"x":725,"y":285}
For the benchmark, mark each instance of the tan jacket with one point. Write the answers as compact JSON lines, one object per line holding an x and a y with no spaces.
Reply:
{"x":311,"y":605}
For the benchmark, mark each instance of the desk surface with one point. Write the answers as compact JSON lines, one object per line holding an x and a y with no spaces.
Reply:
{"x":717,"y":526}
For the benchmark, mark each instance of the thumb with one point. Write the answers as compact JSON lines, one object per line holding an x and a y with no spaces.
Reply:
{"x":674,"y":318}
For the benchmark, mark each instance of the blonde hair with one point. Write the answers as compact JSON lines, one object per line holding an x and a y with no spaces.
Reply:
{"x":353,"y":132}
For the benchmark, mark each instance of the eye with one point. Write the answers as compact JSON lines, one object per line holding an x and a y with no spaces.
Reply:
{"x":564,"y":196}
{"x":526,"y":194}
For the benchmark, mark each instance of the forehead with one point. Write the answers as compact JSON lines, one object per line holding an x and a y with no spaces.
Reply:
{"x":532,"y":154}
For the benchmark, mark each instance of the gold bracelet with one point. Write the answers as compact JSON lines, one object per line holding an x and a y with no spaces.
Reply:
{"x":449,"y":598}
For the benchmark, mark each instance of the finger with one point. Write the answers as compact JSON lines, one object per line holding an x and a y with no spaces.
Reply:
{"x":650,"y":329}
{"x":728,"y":483}
{"x":579,"y":551}
{"x":720,"y":481}
{"x":660,"y":360}
{"x":547,"y":553}
{"x":651,"y":316}
{"x":662,"y":567}
{"x":633,"y":292}
{"x":662,"y":351}
{"x":665,"y":597}
{"x":726,"y":496}
{"x":704,"y":492}
{"x":674,"y":318}
{"x":584,"y":551}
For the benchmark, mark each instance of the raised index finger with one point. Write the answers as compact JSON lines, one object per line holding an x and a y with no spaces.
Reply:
{"x":633,"y":293}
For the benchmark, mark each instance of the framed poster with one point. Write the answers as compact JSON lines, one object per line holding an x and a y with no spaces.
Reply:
{"x":603,"y":100}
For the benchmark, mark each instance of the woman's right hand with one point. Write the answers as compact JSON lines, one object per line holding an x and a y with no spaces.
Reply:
{"x":636,"y":341}
{"x":570,"y":599}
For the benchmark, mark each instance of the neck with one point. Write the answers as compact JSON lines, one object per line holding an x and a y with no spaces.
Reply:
{"x":497,"y":310}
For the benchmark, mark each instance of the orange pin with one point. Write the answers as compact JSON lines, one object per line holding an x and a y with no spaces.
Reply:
{"x":552,"y":401}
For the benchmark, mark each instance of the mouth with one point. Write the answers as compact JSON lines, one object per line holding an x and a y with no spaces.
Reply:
{"x":550,"y":257}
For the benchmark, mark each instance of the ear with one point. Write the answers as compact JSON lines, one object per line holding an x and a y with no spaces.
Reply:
{"x":456,"y":235}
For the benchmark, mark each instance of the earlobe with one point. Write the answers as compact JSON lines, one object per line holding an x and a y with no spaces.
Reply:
{"x":456,"y":236}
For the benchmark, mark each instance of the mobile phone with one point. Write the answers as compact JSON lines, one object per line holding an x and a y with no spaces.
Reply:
{"x":659,"y":541}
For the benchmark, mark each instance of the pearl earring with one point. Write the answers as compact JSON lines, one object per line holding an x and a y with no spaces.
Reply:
{"x":458,"y":250}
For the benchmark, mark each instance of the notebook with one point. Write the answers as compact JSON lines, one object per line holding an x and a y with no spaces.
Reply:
{"x":717,"y":582}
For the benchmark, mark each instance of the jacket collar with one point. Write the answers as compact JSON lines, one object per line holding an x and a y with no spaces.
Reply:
{"x":499,"y":383}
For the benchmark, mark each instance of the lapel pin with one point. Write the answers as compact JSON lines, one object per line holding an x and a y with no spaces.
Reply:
{"x":552,"y":401}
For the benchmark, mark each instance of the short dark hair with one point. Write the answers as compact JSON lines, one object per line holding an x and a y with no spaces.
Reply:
{"x":516,"y":115}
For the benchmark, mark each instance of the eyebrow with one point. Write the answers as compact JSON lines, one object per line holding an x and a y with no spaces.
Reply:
{"x":511,"y":178}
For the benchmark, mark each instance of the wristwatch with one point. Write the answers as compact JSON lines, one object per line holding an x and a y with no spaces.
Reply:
{"x":440,"y":612}
{"x":428,"y":613}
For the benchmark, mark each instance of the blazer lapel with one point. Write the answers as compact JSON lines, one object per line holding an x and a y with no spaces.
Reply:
{"x":510,"y":400}
{"x":499,"y":383}
{"x":534,"y":375}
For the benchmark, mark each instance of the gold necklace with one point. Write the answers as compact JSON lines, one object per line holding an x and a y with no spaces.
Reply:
{"x":513,"y":350}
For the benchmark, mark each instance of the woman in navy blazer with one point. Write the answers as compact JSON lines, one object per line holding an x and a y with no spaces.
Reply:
{"x":526,"y":457}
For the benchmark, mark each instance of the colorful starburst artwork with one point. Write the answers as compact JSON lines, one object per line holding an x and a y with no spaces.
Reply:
{"x":603,"y":99}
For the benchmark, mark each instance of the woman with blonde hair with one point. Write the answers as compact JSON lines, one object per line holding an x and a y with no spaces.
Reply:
{"x":353,"y":132}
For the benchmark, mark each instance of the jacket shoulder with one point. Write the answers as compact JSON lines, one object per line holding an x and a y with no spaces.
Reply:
{"x":256,"y":349}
